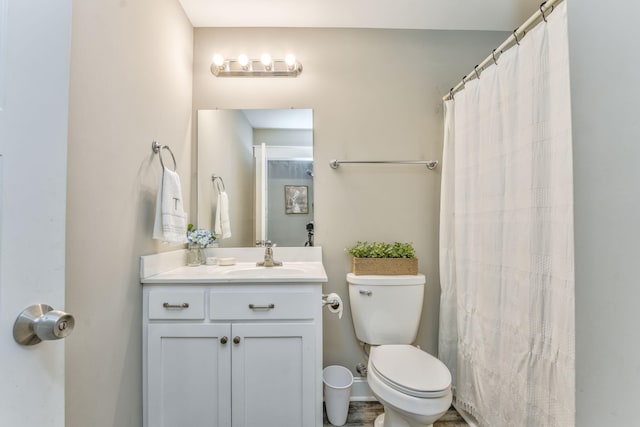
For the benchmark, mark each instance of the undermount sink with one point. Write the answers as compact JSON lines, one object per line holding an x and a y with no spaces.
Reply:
{"x":261,"y":271}
{"x":288,"y":272}
{"x":245,"y":272}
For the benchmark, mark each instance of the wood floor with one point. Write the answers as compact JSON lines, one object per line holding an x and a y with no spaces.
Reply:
{"x":363,"y":414}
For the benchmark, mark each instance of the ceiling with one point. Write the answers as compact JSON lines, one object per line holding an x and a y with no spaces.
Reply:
{"x":482,"y":15}
{"x":280,"y":119}
{"x":492,"y":15}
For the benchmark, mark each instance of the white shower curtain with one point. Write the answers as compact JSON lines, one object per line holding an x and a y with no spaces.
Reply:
{"x":506,"y":237}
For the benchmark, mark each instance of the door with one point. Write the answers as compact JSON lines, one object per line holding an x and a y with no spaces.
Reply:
{"x":189,"y":380}
{"x":260,"y":203}
{"x":273,"y":371}
{"x":34,"y":85}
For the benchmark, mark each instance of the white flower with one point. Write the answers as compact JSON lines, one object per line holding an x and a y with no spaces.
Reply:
{"x":201,"y":237}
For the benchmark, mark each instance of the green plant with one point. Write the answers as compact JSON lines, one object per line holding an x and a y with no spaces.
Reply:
{"x":381,"y":250}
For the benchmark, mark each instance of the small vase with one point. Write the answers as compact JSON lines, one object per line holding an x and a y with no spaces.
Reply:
{"x":195,"y":257}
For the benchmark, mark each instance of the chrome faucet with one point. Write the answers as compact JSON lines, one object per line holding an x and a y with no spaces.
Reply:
{"x":268,"y":256}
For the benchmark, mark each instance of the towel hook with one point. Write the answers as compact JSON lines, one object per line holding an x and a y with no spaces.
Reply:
{"x":157,"y":148}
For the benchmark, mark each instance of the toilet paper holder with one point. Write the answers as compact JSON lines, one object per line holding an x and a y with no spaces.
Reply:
{"x":40,"y":322}
{"x":333,"y":303}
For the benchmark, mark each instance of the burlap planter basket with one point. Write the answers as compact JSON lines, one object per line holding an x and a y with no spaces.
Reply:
{"x":384,"y":266}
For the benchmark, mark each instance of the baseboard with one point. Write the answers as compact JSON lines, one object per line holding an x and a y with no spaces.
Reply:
{"x":360,"y":391}
{"x":466,"y":416}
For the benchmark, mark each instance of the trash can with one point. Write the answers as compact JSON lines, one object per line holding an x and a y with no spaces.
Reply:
{"x":337,"y":392}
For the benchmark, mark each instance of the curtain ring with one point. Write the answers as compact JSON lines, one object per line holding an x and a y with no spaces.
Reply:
{"x":493,"y":54}
{"x":451,"y":94}
{"x":463,"y":85}
{"x":515,"y":35}
{"x":476,"y":70}
{"x":544,"y":17}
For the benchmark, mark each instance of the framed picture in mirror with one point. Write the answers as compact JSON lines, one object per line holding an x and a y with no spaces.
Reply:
{"x":296,"y":199}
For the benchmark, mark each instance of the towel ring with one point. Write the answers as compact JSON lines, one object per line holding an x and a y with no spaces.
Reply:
{"x":157,"y":148}
{"x":217,"y":181}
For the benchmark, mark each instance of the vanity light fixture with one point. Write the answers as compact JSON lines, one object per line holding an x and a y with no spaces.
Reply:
{"x":266,"y":61}
{"x":243,"y":60}
{"x":218,"y":60}
{"x":266,"y":66}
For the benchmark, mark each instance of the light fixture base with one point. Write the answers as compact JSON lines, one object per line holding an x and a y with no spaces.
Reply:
{"x":255,"y":68}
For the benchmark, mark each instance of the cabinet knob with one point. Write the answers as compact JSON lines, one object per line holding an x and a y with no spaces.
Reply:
{"x":224,"y":340}
{"x":236,"y":340}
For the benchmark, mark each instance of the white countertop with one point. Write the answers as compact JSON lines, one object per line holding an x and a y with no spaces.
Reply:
{"x":305,"y":266}
{"x":243,"y":272}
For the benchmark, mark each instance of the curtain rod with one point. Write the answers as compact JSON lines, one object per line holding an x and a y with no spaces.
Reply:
{"x":515,"y":38}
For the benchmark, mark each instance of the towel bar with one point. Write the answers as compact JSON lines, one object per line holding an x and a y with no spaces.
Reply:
{"x":430,"y":164}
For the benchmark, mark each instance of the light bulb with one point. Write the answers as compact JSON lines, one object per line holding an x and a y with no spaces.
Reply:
{"x":243,"y":60}
{"x":290,"y":59}
{"x":218,"y":60}
{"x":266,"y":60}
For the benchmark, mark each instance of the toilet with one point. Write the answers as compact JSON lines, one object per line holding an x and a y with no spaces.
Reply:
{"x":413,"y":386}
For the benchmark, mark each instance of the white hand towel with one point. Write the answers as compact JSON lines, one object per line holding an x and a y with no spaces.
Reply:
{"x":223,"y":225}
{"x":171,"y":220}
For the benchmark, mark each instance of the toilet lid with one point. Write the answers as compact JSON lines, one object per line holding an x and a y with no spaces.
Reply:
{"x":411,"y":370}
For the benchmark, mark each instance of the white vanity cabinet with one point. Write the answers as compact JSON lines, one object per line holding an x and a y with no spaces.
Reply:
{"x":232,"y":355}
{"x":188,"y":375}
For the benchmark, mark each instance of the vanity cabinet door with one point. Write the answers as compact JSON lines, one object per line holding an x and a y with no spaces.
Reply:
{"x":273,"y":370}
{"x":189,"y":380}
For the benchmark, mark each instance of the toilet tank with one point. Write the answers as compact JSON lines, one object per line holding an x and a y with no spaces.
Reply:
{"x":386,"y":309}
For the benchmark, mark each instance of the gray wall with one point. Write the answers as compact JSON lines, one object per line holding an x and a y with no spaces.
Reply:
{"x":375,"y":94}
{"x":131,"y":81}
{"x":606,"y":145}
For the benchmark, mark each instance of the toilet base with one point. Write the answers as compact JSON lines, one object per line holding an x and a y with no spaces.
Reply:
{"x":392,"y":421}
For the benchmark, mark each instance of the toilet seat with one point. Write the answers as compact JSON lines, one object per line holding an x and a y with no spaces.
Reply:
{"x":411,"y":371}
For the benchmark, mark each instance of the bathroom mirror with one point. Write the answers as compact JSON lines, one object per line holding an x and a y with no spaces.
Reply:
{"x":263,"y":160}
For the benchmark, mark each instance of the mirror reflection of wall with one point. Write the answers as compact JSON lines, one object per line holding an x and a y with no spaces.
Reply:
{"x":287,"y":194}
{"x":259,"y":154}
